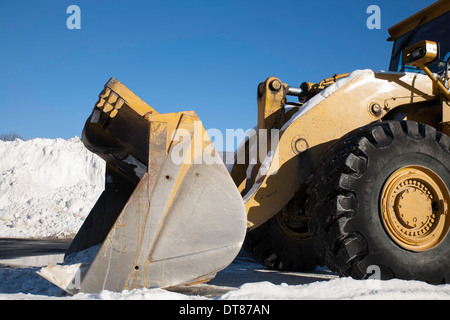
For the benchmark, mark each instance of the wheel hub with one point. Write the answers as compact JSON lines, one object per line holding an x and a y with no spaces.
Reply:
{"x":295,"y":226}
{"x":414,"y":206}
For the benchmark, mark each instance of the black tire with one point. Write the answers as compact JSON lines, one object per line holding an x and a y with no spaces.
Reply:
{"x":283,"y":244}
{"x":345,"y":196}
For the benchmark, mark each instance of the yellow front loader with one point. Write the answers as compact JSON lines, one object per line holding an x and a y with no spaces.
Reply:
{"x":354,"y":174}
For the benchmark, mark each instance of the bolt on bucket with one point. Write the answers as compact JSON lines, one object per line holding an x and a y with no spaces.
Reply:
{"x":170,"y":213}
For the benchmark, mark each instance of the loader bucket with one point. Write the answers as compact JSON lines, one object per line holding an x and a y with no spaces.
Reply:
{"x":170,"y":213}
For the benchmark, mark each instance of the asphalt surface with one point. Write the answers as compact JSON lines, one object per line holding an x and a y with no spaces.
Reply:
{"x":17,"y":248}
{"x":32,"y":253}
{"x":18,"y":253}
{"x":246,"y":270}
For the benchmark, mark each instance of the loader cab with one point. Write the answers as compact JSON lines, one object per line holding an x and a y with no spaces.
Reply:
{"x":431,"y":24}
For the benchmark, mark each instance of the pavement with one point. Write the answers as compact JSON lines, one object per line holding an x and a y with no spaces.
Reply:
{"x":32,"y":253}
{"x":19,"y":255}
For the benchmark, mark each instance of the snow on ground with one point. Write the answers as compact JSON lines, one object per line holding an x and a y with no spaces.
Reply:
{"x":47,"y":187}
{"x":342,"y":289}
{"x":25,"y":284}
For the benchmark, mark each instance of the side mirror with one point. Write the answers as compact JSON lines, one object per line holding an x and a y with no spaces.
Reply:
{"x":421,"y":54}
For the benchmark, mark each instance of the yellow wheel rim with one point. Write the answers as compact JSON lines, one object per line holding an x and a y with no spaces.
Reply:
{"x":414,"y":206}
{"x":293,"y":226}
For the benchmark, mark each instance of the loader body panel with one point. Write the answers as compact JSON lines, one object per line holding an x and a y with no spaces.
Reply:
{"x":341,"y":108}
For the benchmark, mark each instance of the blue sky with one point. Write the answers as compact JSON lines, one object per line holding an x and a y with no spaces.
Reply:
{"x":207,"y":56}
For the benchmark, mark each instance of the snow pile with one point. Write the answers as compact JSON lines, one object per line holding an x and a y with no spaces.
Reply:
{"x":47,"y":187}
